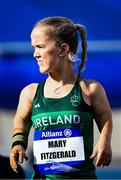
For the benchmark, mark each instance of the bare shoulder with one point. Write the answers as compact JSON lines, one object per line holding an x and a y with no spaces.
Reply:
{"x":29,"y":91}
{"x":92,"y":87}
{"x":92,"y":91}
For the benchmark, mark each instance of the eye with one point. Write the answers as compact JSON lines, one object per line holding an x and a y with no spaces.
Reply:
{"x":40,"y":46}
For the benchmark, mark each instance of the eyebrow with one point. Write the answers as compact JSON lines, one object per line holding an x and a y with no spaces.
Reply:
{"x":38,"y":45}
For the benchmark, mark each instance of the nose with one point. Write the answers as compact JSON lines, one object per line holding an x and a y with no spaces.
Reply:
{"x":36,"y":53}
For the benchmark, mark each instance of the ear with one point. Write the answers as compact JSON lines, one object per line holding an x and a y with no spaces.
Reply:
{"x":64,"y":49}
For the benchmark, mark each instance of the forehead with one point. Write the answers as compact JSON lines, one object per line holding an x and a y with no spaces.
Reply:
{"x":39,"y":34}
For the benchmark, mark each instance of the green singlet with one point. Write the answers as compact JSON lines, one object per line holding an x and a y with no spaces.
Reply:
{"x":63,"y":136}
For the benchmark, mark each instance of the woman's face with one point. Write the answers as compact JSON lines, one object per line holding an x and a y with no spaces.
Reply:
{"x":46,"y":52}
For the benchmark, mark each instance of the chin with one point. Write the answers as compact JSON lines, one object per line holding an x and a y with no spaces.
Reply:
{"x":43,"y":71}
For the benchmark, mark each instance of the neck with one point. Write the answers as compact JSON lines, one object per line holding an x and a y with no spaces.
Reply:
{"x":62,"y":76}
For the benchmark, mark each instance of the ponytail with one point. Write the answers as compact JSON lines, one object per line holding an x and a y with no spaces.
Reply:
{"x":83,"y":35}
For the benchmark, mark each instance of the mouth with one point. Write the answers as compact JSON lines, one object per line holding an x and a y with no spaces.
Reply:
{"x":40,"y":63}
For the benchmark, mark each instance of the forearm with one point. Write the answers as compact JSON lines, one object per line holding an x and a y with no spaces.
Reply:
{"x":102,"y":151}
{"x":21,"y":124}
{"x":21,"y":130}
{"x":105,"y":125}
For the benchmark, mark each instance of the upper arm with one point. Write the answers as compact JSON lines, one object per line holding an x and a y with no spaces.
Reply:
{"x":99,"y":99}
{"x":24,"y":106}
{"x":100,"y":104}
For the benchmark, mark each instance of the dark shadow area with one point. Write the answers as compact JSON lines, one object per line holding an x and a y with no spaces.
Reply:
{"x":6,"y":171}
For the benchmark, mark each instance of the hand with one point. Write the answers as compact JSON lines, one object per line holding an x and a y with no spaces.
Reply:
{"x":103,"y":153}
{"x":17,"y":155}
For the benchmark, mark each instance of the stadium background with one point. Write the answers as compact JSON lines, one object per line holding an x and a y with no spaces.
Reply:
{"x":18,"y":67}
